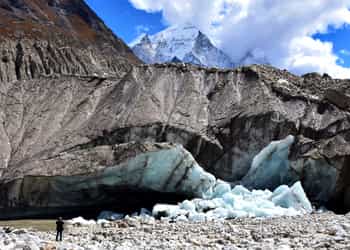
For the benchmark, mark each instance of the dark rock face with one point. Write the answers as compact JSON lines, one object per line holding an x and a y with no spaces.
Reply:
{"x":83,"y":88}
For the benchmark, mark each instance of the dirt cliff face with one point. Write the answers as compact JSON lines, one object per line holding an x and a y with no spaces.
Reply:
{"x":41,"y":37}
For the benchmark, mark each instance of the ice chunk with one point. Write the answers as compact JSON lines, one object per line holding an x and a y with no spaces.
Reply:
{"x":145,"y":211}
{"x":175,"y":170}
{"x":182,"y":218}
{"x":221,"y":188}
{"x":203,"y":205}
{"x":188,"y":205}
{"x":102,"y":221}
{"x":134,"y":214}
{"x":109,"y":215}
{"x":202,"y":181}
{"x":81,"y":221}
{"x":237,"y":214}
{"x":230,"y":199}
{"x":276,"y":149}
{"x":218,"y":213}
{"x":293,"y":197}
{"x":270,"y":168}
{"x":280,"y":190}
{"x":218,"y":202}
{"x":197,"y":217}
{"x":239,"y":202}
{"x":172,"y":170}
{"x":240,"y":190}
{"x":164,"y":210}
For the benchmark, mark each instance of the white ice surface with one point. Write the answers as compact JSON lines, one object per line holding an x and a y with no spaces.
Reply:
{"x":240,"y":202}
{"x":270,"y":168}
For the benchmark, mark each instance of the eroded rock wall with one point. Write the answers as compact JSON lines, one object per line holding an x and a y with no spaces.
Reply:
{"x":25,"y":59}
{"x":223,"y":117}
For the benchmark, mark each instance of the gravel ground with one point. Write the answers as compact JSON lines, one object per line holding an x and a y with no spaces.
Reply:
{"x":314,"y":231}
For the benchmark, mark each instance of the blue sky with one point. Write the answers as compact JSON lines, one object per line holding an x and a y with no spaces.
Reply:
{"x":341,"y":43}
{"x":126,"y":21}
{"x":291,"y":42}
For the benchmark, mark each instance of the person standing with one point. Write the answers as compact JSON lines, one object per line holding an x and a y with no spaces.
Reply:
{"x":59,"y":228}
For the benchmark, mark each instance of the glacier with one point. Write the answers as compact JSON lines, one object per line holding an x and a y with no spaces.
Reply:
{"x":269,"y":168}
{"x":175,"y":170}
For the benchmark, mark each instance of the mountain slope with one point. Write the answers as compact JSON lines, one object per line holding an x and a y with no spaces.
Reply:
{"x":41,"y":37}
{"x":182,"y":42}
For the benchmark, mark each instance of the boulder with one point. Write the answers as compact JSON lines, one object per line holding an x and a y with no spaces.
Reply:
{"x":338,"y":98}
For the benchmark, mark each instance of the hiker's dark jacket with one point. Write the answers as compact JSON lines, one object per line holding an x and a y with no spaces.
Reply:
{"x":59,"y":225}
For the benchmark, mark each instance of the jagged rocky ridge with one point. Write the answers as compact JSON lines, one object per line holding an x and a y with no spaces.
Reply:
{"x":223,"y":117}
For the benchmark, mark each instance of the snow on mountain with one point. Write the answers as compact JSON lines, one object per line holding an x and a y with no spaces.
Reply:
{"x":184,"y":43}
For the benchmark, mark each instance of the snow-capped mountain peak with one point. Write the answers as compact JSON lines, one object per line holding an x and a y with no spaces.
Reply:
{"x":184,"y":43}
{"x":145,"y":39}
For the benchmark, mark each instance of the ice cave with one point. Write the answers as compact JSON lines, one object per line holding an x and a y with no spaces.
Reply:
{"x":174,"y":171}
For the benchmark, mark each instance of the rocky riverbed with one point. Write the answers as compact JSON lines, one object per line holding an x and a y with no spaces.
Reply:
{"x":314,"y":231}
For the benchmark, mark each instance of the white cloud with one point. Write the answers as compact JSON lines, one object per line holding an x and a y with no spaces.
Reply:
{"x":345,"y":52}
{"x":308,"y":55}
{"x":282,"y":30}
{"x":141,"y":29}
